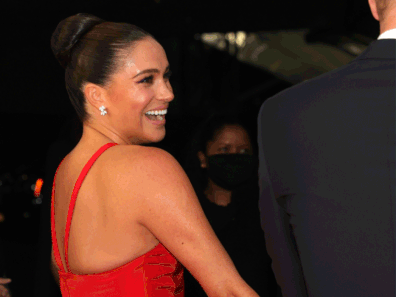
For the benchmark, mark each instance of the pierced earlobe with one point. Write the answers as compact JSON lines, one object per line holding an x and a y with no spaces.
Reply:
{"x":103,"y":110}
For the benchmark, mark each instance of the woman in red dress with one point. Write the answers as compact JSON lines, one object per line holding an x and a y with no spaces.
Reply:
{"x":124,"y":217}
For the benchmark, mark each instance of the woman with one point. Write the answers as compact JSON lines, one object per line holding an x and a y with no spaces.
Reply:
{"x":124,"y":215}
{"x":222,"y":165}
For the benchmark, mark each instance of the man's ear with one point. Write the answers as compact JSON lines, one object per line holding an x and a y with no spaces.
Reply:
{"x":374,"y":9}
{"x":202,"y":159}
{"x":94,"y":94}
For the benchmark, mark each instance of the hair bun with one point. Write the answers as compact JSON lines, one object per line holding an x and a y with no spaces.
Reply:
{"x":68,"y":32}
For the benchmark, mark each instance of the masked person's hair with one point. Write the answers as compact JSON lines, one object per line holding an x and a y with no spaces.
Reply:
{"x":207,"y":131}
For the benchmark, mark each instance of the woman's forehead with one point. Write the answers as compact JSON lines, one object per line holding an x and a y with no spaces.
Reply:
{"x":146,"y":53}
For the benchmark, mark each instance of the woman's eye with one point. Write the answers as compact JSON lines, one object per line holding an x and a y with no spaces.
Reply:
{"x":223,"y":149}
{"x":168,"y":75}
{"x":148,"y":79}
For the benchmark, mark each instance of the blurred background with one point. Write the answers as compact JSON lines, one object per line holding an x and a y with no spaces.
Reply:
{"x":223,"y":57}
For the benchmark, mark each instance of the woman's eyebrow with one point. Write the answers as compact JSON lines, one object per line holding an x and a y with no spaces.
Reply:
{"x":151,"y":70}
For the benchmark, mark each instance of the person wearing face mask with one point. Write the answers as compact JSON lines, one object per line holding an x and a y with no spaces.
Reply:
{"x":221,"y":163}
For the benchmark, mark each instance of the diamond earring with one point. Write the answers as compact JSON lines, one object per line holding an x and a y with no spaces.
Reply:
{"x":102,"y":110}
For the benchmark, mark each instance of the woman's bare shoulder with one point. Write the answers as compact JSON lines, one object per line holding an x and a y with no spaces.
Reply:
{"x":132,"y":165}
{"x":133,"y":174}
{"x":126,"y":155}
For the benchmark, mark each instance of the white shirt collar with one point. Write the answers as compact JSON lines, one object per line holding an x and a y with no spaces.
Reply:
{"x":390,"y":34}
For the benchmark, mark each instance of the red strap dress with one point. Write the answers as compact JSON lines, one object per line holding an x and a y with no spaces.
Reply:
{"x":156,"y":273}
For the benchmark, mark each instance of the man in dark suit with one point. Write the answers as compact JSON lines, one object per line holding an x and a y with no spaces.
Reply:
{"x":327,"y":175}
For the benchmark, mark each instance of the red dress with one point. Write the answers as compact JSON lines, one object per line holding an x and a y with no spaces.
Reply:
{"x":156,"y":273}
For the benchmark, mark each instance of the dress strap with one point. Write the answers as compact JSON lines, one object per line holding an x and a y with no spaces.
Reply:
{"x":76,"y":188}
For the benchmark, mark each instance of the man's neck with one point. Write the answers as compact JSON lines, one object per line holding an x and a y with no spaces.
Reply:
{"x":387,"y":24}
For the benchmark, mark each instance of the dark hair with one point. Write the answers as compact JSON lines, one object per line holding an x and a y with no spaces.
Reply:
{"x":90,"y":49}
{"x":205,"y":132}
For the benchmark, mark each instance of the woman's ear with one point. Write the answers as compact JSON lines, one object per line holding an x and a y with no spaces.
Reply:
{"x":202,"y":159}
{"x":94,"y":95}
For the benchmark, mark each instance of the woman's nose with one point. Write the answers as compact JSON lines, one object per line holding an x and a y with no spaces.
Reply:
{"x":166,"y":92}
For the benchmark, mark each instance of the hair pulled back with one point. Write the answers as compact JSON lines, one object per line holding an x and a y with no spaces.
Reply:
{"x":90,"y":50}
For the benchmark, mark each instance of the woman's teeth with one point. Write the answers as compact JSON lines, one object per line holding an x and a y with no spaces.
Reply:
{"x":157,"y":115}
{"x":157,"y":112}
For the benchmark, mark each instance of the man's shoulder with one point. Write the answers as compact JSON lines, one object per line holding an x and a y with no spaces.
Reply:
{"x":325,"y":85}
{"x":372,"y":64}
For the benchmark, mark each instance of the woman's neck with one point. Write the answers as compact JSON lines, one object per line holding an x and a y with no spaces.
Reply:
{"x":91,"y":131}
{"x":217,"y":194}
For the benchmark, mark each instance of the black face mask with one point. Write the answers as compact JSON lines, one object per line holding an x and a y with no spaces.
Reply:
{"x":231,"y":171}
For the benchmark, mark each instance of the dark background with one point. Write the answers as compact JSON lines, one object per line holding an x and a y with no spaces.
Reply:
{"x":34,"y":103}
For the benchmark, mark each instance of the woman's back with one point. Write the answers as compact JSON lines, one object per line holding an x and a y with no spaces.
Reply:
{"x":98,"y":220}
{"x":106,"y":246}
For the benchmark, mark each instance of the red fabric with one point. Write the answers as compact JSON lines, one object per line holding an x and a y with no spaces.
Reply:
{"x":156,"y":273}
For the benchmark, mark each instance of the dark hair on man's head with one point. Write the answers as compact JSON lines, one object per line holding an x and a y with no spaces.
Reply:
{"x":91,"y":50}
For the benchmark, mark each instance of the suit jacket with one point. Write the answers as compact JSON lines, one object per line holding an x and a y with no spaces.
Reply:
{"x":327,"y":179}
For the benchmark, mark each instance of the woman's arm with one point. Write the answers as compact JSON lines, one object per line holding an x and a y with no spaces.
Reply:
{"x":169,"y":208}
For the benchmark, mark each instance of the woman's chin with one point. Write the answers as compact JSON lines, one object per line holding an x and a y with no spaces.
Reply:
{"x":160,"y":138}
{"x":155,"y":137}
{"x":149,"y":137}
